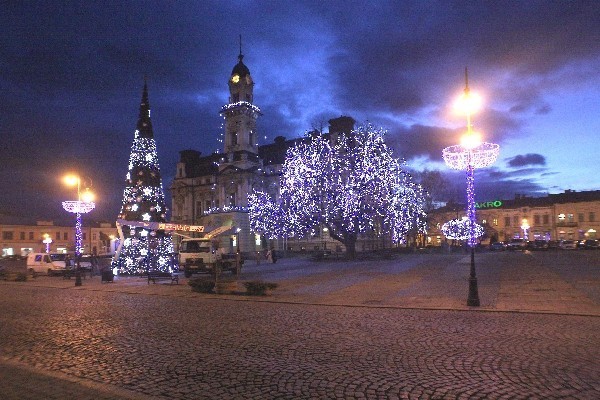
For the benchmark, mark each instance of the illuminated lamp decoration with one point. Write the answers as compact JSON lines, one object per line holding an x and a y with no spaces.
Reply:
{"x":144,"y":201}
{"x":78,"y":207}
{"x":470,"y":154}
{"x":47,"y":241}
{"x":459,"y":229}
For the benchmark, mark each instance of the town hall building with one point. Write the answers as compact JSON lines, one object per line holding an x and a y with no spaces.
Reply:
{"x":212,"y":190}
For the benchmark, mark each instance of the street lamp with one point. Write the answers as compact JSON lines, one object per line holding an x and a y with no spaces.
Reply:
{"x":47,"y":241}
{"x":525,"y":226}
{"x":470,"y":154}
{"x":83,"y":205}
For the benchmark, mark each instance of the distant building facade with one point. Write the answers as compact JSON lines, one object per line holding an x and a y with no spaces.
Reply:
{"x":19,"y":239}
{"x":569,"y":215}
{"x":213,"y":190}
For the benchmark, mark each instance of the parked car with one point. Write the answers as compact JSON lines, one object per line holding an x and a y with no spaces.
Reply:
{"x":517,"y":244}
{"x":44,"y":263}
{"x":553,"y":244}
{"x":568,"y":245}
{"x":591,"y":244}
{"x":497,"y":246}
{"x":538,"y":245}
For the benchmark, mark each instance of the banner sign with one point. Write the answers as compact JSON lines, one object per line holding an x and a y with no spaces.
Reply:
{"x":489,"y":204}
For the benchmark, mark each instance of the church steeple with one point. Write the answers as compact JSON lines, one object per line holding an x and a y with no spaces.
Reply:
{"x":144,"y":124}
{"x":240,"y":114}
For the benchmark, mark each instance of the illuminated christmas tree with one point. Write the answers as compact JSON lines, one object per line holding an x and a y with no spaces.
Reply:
{"x":350,"y":184}
{"x":144,"y":201}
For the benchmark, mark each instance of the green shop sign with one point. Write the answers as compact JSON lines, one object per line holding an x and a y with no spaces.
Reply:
{"x":489,"y":204}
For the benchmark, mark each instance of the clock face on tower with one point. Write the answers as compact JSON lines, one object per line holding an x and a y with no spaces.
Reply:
{"x":235,"y":78}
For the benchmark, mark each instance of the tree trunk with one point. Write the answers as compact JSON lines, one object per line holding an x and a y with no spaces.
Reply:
{"x":350,"y":243}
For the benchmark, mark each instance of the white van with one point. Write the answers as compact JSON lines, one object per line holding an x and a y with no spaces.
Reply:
{"x":46,"y":263}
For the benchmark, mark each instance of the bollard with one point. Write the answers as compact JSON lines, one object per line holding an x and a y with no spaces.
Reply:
{"x":78,"y":278}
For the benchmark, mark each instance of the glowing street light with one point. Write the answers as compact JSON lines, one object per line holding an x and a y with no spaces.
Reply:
{"x":83,"y":205}
{"x":470,"y":154}
{"x":47,"y":241}
{"x":525,"y":226}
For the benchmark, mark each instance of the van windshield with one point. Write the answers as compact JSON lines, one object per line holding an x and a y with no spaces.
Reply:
{"x":58,"y":257}
{"x":194,"y":247}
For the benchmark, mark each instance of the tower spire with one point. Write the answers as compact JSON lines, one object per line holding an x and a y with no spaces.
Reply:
{"x":241,"y":56}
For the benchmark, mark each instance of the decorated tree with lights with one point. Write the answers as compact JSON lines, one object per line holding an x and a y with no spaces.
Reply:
{"x":144,"y":201}
{"x":350,"y":184}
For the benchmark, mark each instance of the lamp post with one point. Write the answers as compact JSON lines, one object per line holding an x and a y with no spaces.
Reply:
{"x":525,"y":226}
{"x":470,"y":154}
{"x":83,"y":205}
{"x":47,"y":241}
{"x":238,"y":256}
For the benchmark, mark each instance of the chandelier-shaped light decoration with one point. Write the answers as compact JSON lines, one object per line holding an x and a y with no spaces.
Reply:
{"x":460,"y":229}
{"x":78,"y":207}
{"x":460,"y":157}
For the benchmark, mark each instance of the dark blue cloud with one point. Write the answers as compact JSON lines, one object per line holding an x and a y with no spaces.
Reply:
{"x":526,"y":159}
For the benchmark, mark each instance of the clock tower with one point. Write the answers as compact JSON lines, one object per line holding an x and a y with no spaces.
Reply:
{"x":240,"y":115}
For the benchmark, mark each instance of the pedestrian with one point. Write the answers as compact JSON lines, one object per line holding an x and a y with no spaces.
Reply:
{"x":258,"y":258}
{"x":273,"y":256}
{"x":269,"y":256}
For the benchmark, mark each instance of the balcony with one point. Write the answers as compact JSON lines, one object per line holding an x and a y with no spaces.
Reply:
{"x":566,"y":224}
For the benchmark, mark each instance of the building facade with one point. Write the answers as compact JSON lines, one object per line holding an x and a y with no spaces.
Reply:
{"x":570,"y":215}
{"x":19,"y":240}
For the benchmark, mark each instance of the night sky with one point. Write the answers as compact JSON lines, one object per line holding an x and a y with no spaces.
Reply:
{"x":71,"y":78}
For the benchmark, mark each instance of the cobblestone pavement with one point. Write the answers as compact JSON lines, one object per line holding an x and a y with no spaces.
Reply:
{"x":199,"y":348}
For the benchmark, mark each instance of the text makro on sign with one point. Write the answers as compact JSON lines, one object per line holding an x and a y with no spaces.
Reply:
{"x":489,"y":204}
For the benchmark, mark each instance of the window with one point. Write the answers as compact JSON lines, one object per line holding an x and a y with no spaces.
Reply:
{"x":536,"y":219}
{"x":546,"y":219}
{"x":30,"y":235}
{"x":57,"y":235}
{"x":65,"y":235}
{"x":570,"y":217}
{"x":234,"y":138}
{"x":580,"y":217}
{"x":94,"y":237}
{"x":232,"y":200}
{"x":22,"y":236}
{"x":592,"y":217}
{"x":207,"y":205}
{"x":7,"y":235}
{"x":84,"y":236}
{"x":495,"y":222}
{"x":198,"y":208}
{"x":506,"y":221}
{"x":516,"y":220}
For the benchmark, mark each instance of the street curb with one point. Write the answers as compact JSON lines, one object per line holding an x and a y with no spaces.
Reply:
{"x":105,"y":388}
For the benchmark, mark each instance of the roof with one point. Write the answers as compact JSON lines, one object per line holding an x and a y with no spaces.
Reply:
{"x":240,"y":68}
